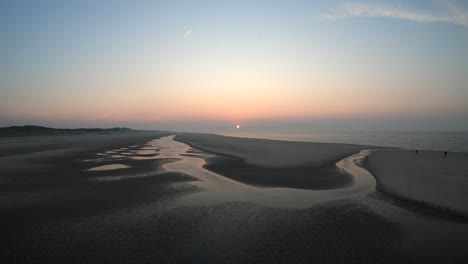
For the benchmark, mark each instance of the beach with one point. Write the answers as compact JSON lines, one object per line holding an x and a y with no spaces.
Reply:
{"x":250,"y":132}
{"x":427,"y":177}
{"x":266,"y":162}
{"x":199,"y":198}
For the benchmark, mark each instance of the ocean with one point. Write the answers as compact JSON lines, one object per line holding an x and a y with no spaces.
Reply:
{"x":440,"y":140}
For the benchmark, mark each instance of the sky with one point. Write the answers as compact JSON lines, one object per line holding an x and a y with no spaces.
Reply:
{"x":210,"y":65}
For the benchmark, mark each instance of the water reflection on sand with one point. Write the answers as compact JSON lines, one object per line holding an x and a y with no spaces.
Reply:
{"x":109,"y":167}
{"x":218,"y":189}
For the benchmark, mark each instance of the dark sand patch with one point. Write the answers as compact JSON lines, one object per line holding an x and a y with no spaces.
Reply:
{"x":313,"y":177}
{"x":188,"y":154}
{"x":226,"y":233}
{"x":47,"y":195}
{"x":40,"y":162}
{"x":195,"y":151}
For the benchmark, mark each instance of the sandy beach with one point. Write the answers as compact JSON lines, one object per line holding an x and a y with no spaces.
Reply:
{"x":153,"y":199}
{"x":264,"y":162}
{"x":272,"y":153}
{"x":427,"y":177}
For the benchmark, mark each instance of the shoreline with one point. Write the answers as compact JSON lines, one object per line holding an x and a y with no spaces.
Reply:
{"x":451,"y":141}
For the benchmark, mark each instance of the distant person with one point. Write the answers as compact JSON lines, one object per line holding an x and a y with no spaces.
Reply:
{"x":416,"y":152}
{"x":445,"y":154}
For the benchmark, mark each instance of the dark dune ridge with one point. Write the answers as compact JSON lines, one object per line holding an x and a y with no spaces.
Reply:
{"x":30,"y":130}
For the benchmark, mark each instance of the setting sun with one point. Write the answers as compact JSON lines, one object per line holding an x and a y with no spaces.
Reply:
{"x":237,"y":126}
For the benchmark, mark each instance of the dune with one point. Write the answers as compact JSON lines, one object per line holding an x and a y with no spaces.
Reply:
{"x":427,"y":177}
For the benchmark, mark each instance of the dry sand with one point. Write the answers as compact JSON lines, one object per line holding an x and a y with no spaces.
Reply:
{"x":427,"y":177}
{"x":272,"y":153}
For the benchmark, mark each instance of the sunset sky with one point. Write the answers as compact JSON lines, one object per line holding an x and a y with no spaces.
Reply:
{"x":207,"y":65}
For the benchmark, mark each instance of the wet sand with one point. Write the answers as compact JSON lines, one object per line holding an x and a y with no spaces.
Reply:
{"x":272,"y":163}
{"x":169,"y":209}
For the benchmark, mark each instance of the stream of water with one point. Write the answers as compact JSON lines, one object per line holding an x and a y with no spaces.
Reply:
{"x":218,"y":189}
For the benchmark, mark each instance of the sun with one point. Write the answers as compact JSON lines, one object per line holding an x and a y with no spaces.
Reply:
{"x":237,"y":126}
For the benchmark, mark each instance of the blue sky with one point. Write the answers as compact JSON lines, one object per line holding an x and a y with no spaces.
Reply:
{"x":106,"y":63}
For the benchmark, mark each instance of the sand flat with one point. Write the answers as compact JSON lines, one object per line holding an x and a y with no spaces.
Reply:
{"x":272,"y":153}
{"x":427,"y":177}
{"x":273,"y":163}
{"x":83,"y":217}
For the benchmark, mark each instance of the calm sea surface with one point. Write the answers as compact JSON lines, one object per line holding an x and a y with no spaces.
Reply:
{"x":446,"y":141}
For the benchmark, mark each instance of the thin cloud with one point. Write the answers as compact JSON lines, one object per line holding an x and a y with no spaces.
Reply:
{"x":447,"y":12}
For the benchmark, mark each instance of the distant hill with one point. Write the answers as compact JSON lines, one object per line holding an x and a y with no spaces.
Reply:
{"x":22,"y":131}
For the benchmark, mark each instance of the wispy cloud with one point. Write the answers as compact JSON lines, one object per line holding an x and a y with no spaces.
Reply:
{"x":445,"y":11}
